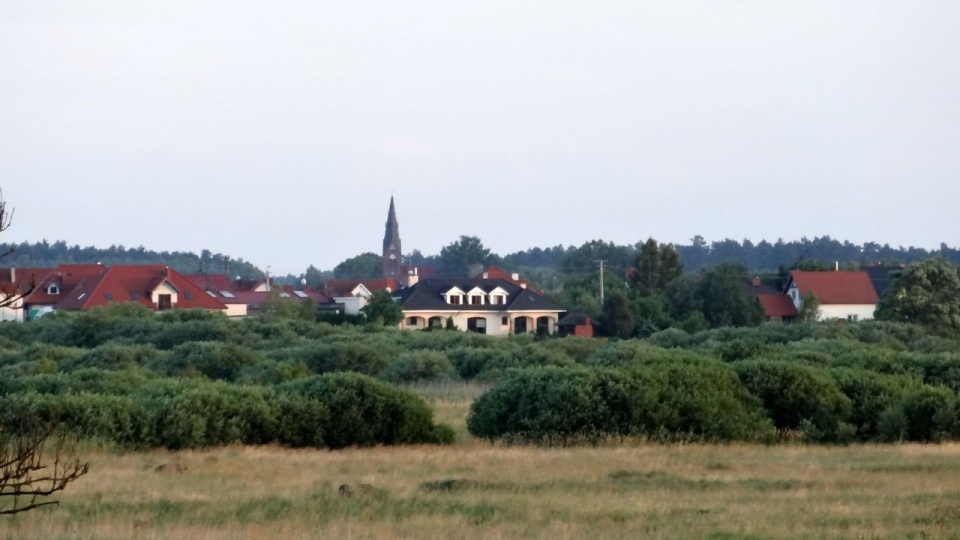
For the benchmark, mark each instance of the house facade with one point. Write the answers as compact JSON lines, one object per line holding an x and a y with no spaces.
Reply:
{"x":15,"y":285}
{"x":486,"y":306}
{"x":843,"y":296}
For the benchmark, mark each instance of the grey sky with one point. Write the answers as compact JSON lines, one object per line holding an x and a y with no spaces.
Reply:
{"x":277,"y":131}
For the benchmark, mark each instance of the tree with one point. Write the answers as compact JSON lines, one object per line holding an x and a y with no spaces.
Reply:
{"x":810,"y":308}
{"x":9,"y":295}
{"x":456,"y":257}
{"x":34,"y":464}
{"x":925,"y":293}
{"x":617,"y":320}
{"x":722,"y":299}
{"x":364,"y":266}
{"x":655,"y":268}
{"x":381,"y":306}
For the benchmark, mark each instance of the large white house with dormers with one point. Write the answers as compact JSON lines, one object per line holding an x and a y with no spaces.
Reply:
{"x":487,"y":306}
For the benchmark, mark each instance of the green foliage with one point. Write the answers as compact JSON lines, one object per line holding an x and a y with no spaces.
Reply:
{"x":456,"y":257}
{"x":674,"y":401}
{"x":218,"y":361}
{"x":809,"y":309}
{"x":724,"y":304}
{"x":926,"y":293}
{"x":797,"y":396}
{"x":382,"y":307}
{"x":364,"y":266}
{"x":365,"y":412}
{"x":618,"y":319}
{"x":418,"y":366}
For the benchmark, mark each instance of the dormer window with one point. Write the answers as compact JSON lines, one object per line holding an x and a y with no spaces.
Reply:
{"x":454,"y":296}
{"x":53,"y":289}
{"x":498,"y":296}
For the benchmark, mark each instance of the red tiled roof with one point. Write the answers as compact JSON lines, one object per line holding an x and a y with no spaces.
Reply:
{"x":836,"y":287}
{"x":344,"y":287}
{"x":135,"y":283}
{"x":777,"y":305}
{"x":495,"y":272}
{"x":14,"y":281}
{"x":256,"y":298}
{"x":66,"y":277}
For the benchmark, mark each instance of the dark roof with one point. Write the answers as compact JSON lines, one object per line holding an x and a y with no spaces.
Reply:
{"x":391,"y":233}
{"x":575,"y":319}
{"x":882,"y":276}
{"x":428,"y":295}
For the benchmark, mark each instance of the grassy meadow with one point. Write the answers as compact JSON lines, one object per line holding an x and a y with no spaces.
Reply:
{"x":476,"y":490}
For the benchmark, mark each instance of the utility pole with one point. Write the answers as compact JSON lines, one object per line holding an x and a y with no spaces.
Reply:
{"x":601,"y":261}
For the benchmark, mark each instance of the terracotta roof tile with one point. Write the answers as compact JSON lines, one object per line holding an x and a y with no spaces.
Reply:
{"x":777,"y":305}
{"x":836,"y":287}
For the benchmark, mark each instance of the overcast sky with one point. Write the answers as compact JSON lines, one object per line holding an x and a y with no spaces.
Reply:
{"x":277,"y":131}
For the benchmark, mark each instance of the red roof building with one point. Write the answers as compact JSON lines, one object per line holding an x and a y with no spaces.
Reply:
{"x":842,"y":295}
{"x":57,"y":285}
{"x":156,"y":286}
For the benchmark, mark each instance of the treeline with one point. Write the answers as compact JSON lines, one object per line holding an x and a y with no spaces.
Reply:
{"x":46,"y":255}
{"x":184,"y":379}
{"x":757,"y":257}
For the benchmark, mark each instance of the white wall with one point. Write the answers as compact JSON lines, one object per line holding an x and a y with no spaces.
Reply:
{"x":833,"y":312}
{"x":351,"y":304}
{"x":495,"y":326}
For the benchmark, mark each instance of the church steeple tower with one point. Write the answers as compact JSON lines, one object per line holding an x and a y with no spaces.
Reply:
{"x":392,"y":256}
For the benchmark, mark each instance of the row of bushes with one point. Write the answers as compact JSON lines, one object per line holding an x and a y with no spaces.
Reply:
{"x":333,"y":411}
{"x":707,"y":400}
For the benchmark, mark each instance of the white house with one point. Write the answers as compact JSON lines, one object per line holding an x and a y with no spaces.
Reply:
{"x":487,"y":306}
{"x":848,"y":296}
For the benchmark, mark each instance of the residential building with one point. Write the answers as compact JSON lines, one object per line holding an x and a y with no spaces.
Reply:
{"x":486,"y":306}
{"x":59,"y":283}
{"x":843,"y":295}
{"x":155,"y":286}
{"x":15,"y":284}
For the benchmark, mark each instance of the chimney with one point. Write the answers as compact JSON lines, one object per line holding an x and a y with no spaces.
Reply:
{"x":412,"y":278}
{"x":515,"y":276}
{"x":756,"y":281}
{"x":13,"y":275}
{"x":836,"y":266}
{"x":486,"y":275}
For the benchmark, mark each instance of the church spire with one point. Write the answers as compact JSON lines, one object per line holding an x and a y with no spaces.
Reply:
{"x":391,"y":245}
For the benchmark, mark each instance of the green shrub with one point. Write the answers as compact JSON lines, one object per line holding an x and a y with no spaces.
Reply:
{"x":217,"y":361}
{"x":418,"y":366}
{"x":793,"y":393}
{"x":365,"y":412}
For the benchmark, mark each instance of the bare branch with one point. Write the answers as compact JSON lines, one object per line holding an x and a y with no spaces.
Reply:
{"x":26,"y":476}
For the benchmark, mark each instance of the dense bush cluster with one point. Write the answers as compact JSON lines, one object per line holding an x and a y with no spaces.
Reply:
{"x":190,"y":379}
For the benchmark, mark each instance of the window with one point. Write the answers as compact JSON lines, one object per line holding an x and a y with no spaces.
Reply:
{"x":476,"y":300}
{"x":53,"y":289}
{"x":455,"y":300}
{"x":852,"y":318}
{"x":505,"y":321}
{"x":107,"y":296}
{"x":411,"y":321}
{"x":134,"y":295}
{"x":164,"y":301}
{"x":498,"y":300}
{"x":188,"y":295}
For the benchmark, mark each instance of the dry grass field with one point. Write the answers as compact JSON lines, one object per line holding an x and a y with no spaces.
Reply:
{"x":477,"y":490}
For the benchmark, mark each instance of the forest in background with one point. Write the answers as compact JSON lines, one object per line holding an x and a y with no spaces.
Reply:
{"x":544,"y":266}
